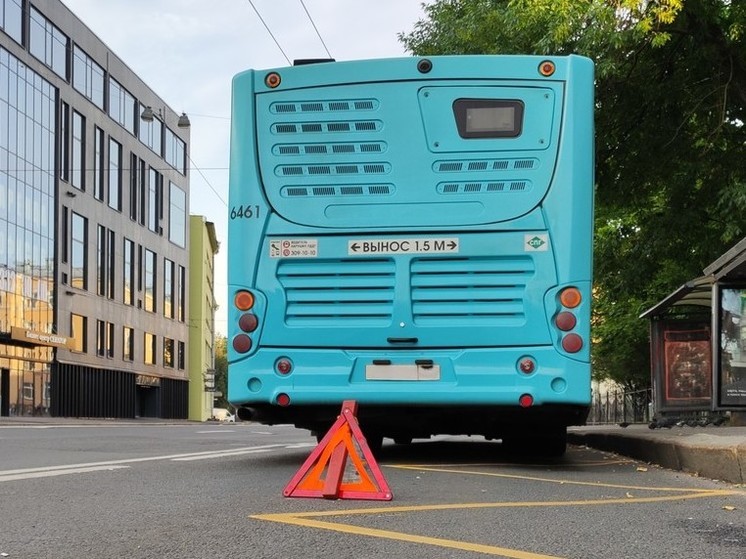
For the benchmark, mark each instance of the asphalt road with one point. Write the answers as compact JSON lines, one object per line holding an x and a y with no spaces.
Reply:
{"x":215,"y":491}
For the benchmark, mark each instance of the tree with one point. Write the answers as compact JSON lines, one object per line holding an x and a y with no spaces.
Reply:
{"x":221,"y":371}
{"x":670,"y":138}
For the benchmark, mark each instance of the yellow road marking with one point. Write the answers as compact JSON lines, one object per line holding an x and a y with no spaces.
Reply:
{"x":401,"y":536}
{"x":543,"y":479}
{"x":307,"y":520}
{"x":311,"y":519}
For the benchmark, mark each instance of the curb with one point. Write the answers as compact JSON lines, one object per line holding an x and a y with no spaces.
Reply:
{"x":718,"y":458}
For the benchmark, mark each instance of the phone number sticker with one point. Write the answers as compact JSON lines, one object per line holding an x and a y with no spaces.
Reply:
{"x":293,"y":248}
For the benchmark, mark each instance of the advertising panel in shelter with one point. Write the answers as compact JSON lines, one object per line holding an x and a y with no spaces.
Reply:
{"x":732,"y":370}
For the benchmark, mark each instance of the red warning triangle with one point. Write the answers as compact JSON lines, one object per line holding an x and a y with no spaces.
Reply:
{"x":327,"y":472}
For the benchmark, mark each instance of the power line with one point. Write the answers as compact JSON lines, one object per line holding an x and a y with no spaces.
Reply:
{"x":205,"y":179}
{"x":270,"y":33}
{"x":315,"y":29}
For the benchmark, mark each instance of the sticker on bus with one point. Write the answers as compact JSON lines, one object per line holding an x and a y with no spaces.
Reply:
{"x":293,"y":248}
{"x":403,"y":246}
{"x":538,"y":242}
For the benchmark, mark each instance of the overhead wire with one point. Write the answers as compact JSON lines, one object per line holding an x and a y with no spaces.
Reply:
{"x":316,"y":29}
{"x":269,"y":31}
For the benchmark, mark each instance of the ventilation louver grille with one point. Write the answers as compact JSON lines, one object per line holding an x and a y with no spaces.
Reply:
{"x":338,"y":292}
{"x":485,"y":165}
{"x":338,"y":190}
{"x":485,"y":187}
{"x":324,"y":106}
{"x":333,"y":169}
{"x":488,"y":290}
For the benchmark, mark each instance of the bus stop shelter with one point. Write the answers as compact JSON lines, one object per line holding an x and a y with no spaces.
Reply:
{"x":698,"y":341}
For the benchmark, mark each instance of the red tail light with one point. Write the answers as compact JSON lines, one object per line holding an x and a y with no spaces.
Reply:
{"x":242,"y":343}
{"x":565,"y":321}
{"x":284,"y":366}
{"x":283,"y":400}
{"x":527,"y":365}
{"x":572,"y":343}
{"x":248,"y":322}
{"x":526,"y":401}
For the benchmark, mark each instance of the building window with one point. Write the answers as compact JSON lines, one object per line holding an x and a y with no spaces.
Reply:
{"x":64,"y":141}
{"x":155,"y":200}
{"x":78,"y":256}
{"x":181,"y":302}
{"x":101,"y":260}
{"x":115,"y":175}
{"x":105,"y":262}
{"x":48,"y":44}
{"x":128,"y":344}
{"x":88,"y":77}
{"x":11,"y":19}
{"x":77,"y":174}
{"x":169,"y":291}
{"x":181,"y":359}
{"x":150,"y":133}
{"x":129,"y":272}
{"x":79,"y":332}
{"x":138,"y":180}
{"x":149,"y":349}
{"x":104,"y":339}
{"x":175,"y":152}
{"x":99,"y":163}
{"x":121,"y":106}
{"x":177,"y":216}
{"x":168,"y":353}
{"x":150,"y":277}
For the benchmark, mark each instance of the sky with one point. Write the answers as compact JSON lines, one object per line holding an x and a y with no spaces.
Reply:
{"x":188,"y":51}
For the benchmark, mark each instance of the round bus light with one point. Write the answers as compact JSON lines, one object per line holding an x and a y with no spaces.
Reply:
{"x":565,"y":321}
{"x":546,"y":68}
{"x":570,"y":297}
{"x":284,"y":366}
{"x":272,"y":80}
{"x":242,"y":343}
{"x":572,"y":343}
{"x":243,"y":300}
{"x":248,"y":322}
{"x":527,"y":365}
{"x":283,"y":400}
{"x":526,"y":401}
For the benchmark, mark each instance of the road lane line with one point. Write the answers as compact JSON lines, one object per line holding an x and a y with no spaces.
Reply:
{"x":137,"y":460}
{"x":52,"y":473}
{"x":221,"y":454}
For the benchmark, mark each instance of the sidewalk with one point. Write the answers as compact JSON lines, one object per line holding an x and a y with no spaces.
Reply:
{"x":712,"y":452}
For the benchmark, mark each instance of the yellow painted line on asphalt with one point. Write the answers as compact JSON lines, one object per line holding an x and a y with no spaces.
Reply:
{"x":313,"y":519}
{"x":439,"y":469}
{"x":309,"y":520}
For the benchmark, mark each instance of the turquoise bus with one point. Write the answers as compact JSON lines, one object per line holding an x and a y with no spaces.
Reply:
{"x":414,"y":234}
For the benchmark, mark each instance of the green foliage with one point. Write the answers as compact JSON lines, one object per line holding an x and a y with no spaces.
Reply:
{"x":221,"y":371}
{"x":670,"y":137}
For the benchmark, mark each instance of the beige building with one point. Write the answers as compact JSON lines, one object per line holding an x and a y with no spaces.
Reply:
{"x":202,"y":305}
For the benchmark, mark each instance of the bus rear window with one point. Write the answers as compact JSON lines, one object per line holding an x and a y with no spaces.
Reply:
{"x":488,"y":118}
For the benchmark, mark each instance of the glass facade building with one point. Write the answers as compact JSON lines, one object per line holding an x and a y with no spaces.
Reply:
{"x":92,"y":244}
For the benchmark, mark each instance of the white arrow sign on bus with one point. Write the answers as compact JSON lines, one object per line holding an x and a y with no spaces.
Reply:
{"x":403,"y":246}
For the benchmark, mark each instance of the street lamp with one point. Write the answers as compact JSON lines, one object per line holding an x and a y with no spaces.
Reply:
{"x":148,"y":115}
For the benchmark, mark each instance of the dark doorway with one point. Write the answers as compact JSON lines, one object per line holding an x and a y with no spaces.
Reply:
{"x":148,"y":401}
{"x":4,"y":392}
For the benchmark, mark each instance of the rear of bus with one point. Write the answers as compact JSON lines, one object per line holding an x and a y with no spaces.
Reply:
{"x":413,"y":234}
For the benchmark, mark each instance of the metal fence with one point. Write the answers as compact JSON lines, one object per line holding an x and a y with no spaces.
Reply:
{"x":621,"y":406}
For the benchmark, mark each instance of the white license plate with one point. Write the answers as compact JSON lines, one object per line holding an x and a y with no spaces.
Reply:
{"x":402,"y":372}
